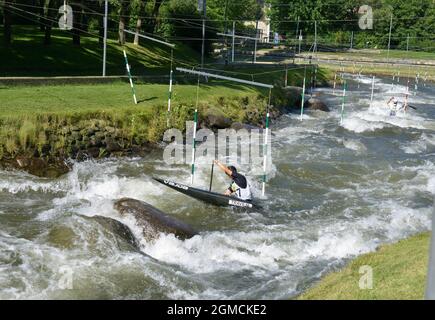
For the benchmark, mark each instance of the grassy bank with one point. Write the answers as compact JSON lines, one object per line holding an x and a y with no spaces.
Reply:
{"x":56,"y":118}
{"x":51,"y":119}
{"x":399,"y":272}
{"x":28,"y":56}
{"x":46,"y":120}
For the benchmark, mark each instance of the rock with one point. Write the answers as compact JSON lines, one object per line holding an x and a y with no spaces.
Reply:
{"x":93,"y":152}
{"x":99,"y":135}
{"x":90,"y":132}
{"x":75,"y":136}
{"x":287,"y":98}
{"x":119,"y":229}
{"x":215,"y":119}
{"x":152,"y":220}
{"x":41,"y":167}
{"x":109,"y":129}
{"x":22,"y":161}
{"x":96,"y":142}
{"x":112,"y":145}
{"x":316,"y":104}
{"x":62,"y":237}
{"x":239,"y":126}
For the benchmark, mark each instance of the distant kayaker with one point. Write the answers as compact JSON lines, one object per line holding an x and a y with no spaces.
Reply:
{"x":239,"y":186}
{"x":393,"y":103}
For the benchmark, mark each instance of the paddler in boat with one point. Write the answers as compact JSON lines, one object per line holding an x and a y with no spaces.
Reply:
{"x":393,"y":104}
{"x":239,"y":186}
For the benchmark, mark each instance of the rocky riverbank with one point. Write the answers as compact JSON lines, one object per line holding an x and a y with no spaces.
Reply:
{"x":43,"y":146}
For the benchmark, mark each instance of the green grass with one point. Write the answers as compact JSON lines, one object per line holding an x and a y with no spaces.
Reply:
{"x":117,"y":97}
{"x":28,"y":56}
{"x":382,"y":54}
{"x":399,"y":272}
{"x":34,"y":115}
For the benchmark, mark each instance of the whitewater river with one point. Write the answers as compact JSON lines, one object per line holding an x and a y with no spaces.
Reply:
{"x":335,"y":192}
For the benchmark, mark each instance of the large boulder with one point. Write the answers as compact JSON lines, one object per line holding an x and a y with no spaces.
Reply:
{"x":152,"y":220}
{"x":120,"y":230}
{"x":216,"y":119}
{"x":42,"y":167}
{"x":316,"y":104}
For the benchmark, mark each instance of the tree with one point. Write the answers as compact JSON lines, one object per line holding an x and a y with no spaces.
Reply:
{"x":140,"y":8}
{"x":123,"y":20}
{"x":47,"y":21}
{"x":77,"y":22}
{"x":7,"y":23}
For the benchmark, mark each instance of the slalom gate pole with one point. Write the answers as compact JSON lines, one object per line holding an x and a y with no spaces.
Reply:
{"x":342,"y":104}
{"x":195,"y":121}
{"x":129,"y":77}
{"x":373,"y":90}
{"x":211,"y":176}
{"x":170,"y":90}
{"x":265,"y":146}
{"x":170,"y":84}
{"x":195,"y":124}
{"x":335,"y":82}
{"x":303,"y":99}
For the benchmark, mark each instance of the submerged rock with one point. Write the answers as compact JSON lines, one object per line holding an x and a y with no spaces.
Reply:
{"x":152,"y":220}
{"x":316,"y":104}
{"x":41,"y":167}
{"x":240,"y":125}
{"x":119,"y":229}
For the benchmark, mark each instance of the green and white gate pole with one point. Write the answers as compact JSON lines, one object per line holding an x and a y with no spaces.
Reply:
{"x":342,"y":104}
{"x":265,"y":146}
{"x":373,"y":90}
{"x":303,"y":99}
{"x":170,"y":82}
{"x":195,"y":121}
{"x":129,"y":77}
{"x":195,"y":125}
{"x":170,"y":91}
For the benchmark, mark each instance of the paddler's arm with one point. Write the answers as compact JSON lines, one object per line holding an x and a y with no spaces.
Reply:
{"x":223,"y":167}
{"x":388,"y":103}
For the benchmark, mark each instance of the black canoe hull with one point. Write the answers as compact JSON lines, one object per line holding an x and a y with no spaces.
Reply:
{"x":207,"y":196}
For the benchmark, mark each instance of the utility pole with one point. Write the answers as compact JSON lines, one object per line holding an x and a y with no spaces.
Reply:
{"x":202,"y":6}
{"x":315,"y":38}
{"x":225,"y":31}
{"x":300,"y":40}
{"x":255,"y":43}
{"x":234,"y":37}
{"x":297,"y":31}
{"x":389,"y":38}
{"x":106,"y":9}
